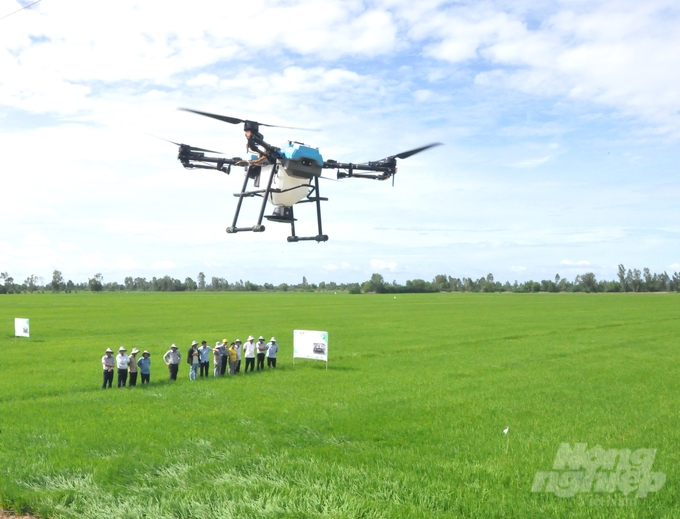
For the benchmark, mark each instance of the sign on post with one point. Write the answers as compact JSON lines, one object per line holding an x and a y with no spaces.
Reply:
{"x":310,"y":344}
{"x":22,"y":328}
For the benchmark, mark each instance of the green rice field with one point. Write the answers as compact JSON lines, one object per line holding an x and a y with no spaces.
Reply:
{"x":407,"y":421}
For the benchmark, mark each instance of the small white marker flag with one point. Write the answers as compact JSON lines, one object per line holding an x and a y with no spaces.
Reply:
{"x":21,"y":328}
{"x":505,"y":431}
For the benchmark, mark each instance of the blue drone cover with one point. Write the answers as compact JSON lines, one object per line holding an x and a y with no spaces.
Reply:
{"x":297,"y":151}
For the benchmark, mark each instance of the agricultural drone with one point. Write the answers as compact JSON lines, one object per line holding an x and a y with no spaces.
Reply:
{"x":290,"y":175}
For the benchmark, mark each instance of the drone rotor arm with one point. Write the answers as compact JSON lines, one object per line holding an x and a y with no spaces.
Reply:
{"x":386,"y":169}
{"x":191,"y":157}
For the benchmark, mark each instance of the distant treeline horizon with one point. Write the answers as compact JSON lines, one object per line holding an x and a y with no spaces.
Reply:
{"x":630,"y":280}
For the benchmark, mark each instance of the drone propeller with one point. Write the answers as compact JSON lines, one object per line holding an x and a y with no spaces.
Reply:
{"x":190,"y":148}
{"x":391,"y":160}
{"x":407,"y":154}
{"x":236,"y":120}
{"x":194,"y":148}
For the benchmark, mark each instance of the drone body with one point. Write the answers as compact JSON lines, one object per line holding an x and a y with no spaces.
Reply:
{"x":290,"y":174}
{"x":294,"y":173}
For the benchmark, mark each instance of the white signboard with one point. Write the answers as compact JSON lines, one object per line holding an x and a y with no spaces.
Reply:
{"x":21,"y":328}
{"x":310,"y":344}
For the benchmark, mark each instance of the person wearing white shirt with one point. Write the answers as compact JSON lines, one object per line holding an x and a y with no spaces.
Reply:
{"x":261,"y":352}
{"x":108,"y":363}
{"x":249,"y":353}
{"x":132,"y":367}
{"x":217,"y":358}
{"x":122,"y":361}
{"x":172,"y":358}
{"x":272,"y":349}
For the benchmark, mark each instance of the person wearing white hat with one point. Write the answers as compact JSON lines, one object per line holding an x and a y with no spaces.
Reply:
{"x":122,"y":361}
{"x":237,"y":346}
{"x":132,"y":367}
{"x":272,"y":349}
{"x":261,"y":352}
{"x":217,"y":359}
{"x":108,"y":363}
{"x":249,"y":353}
{"x":145,"y":367}
{"x":172,"y":358}
{"x":224,"y":361}
{"x":194,"y":360}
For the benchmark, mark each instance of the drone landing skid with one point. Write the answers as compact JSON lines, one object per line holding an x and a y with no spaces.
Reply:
{"x":281,"y":214}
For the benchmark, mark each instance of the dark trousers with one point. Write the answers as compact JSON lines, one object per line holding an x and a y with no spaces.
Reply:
{"x":271,"y":362}
{"x":204,"y":367}
{"x":173,"y":371}
{"x":145,"y":377}
{"x":133,"y":379}
{"x":223,"y":364}
{"x":122,"y":377}
{"x":238,"y":366}
{"x":250,"y":361}
{"x":108,"y":379}
{"x":260,"y":361}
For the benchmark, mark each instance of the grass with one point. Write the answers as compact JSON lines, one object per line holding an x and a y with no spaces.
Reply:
{"x":406,"y":422}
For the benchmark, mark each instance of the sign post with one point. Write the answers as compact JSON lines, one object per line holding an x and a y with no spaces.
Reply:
{"x":22,"y":328}
{"x":310,"y":344}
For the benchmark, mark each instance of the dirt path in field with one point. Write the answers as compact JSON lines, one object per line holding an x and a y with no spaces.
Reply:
{"x":11,"y":515}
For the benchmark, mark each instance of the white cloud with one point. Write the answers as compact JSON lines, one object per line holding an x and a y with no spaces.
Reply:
{"x":342,"y":266}
{"x":69,"y":247}
{"x":674,"y":266}
{"x":530,"y":163}
{"x":518,"y":268}
{"x":574,"y":263}
{"x":164,"y":265}
{"x":383,"y":265}
{"x":617,"y":54}
{"x":36,"y":239}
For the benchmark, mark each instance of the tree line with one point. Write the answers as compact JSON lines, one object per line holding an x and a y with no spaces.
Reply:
{"x":630,"y":280}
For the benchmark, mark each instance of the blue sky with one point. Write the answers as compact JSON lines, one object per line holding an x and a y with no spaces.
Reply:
{"x":560,"y":121}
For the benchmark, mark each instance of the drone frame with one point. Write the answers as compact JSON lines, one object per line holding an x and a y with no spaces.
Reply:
{"x":196,"y":158}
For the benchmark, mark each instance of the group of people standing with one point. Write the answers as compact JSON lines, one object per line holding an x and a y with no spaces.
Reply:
{"x":224,"y":355}
{"x":125,"y":364}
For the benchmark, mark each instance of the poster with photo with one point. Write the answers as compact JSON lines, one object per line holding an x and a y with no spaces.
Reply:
{"x":21,"y":328}
{"x":310,"y":344}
